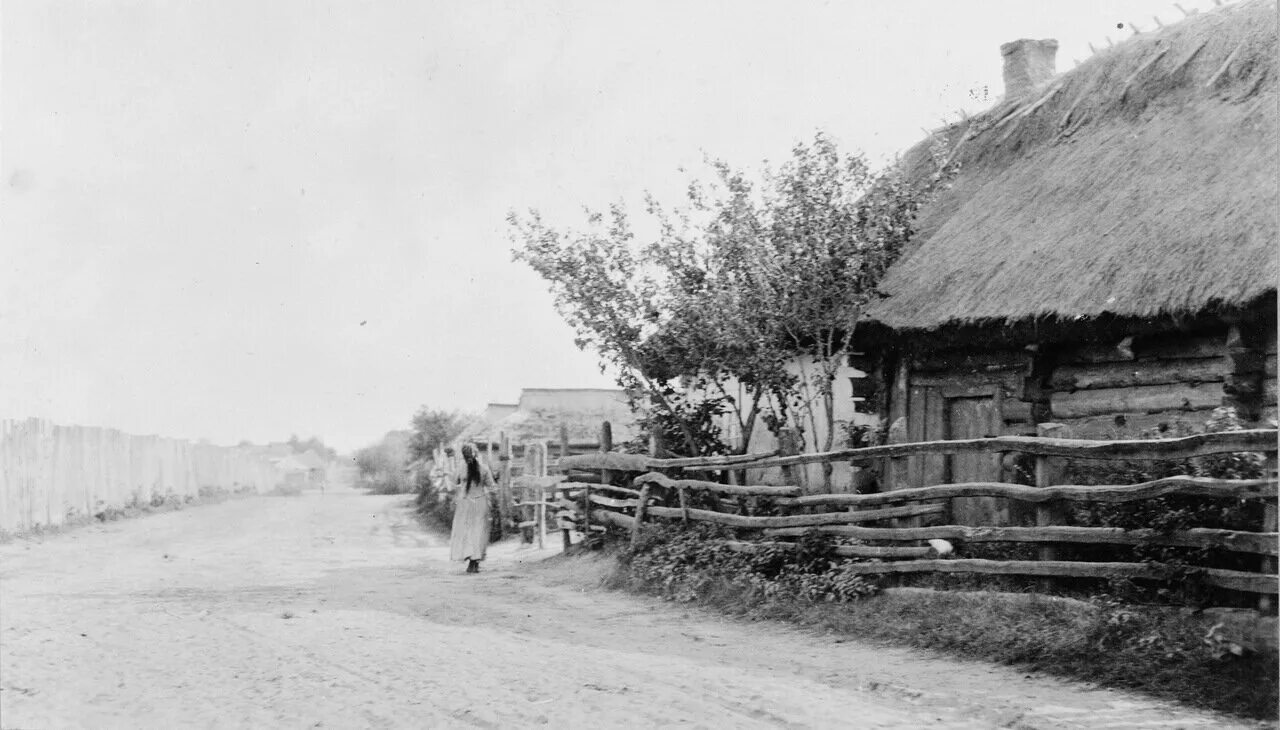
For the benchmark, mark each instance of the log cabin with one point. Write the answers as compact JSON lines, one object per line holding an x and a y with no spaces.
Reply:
{"x":1105,"y":258}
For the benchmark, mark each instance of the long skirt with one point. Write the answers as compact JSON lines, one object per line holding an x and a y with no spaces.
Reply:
{"x":470,"y":535}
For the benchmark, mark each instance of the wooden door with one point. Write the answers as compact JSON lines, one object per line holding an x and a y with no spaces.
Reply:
{"x":971,"y":418}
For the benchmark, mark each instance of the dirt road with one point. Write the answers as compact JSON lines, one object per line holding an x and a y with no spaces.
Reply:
{"x":339,"y":612}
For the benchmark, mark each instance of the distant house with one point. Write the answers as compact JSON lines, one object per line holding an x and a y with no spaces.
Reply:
{"x":316,"y":465}
{"x":1106,"y":258}
{"x":542,"y":413}
{"x":293,"y":473}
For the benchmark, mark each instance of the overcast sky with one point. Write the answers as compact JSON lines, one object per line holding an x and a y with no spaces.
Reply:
{"x":237,"y":219}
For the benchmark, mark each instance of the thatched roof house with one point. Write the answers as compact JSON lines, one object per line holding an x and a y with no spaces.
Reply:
{"x":1141,"y":184}
{"x":1107,"y":255}
{"x":580,"y":411}
{"x":542,"y":413}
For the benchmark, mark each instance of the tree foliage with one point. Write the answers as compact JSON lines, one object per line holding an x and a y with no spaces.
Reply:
{"x":433,"y":429}
{"x":704,"y":317}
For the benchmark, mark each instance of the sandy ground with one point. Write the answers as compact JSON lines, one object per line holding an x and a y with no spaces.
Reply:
{"x":338,"y":611}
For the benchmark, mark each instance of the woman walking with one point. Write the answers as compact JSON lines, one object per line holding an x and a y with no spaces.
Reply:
{"x":470,"y":535}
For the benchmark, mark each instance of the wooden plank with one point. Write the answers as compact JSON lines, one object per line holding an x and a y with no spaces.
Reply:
{"x":604,"y":501}
{"x":692,"y":462}
{"x":1013,"y":410}
{"x":895,"y":470}
{"x":1187,"y":447}
{"x":825,"y":518}
{"x":1258,"y":543}
{"x":609,"y":517}
{"x":970,"y":361}
{"x":844,"y":551}
{"x":640,"y":511}
{"x":611,"y":461}
{"x":1120,"y":425}
{"x":916,"y":415}
{"x":1177,"y":396}
{"x":1130,"y":374}
{"x":1048,"y":473}
{"x":1231,"y":579}
{"x":1165,"y":347}
{"x":575,"y":486}
{"x":935,"y":427}
{"x":537,"y":482}
{"x":1110,"y":493}
{"x":666,"y":482}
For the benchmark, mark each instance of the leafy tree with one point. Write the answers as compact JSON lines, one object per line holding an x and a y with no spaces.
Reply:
{"x":832,"y":227}
{"x":381,"y":466}
{"x":605,"y":292}
{"x":433,"y":429}
{"x":736,"y":284}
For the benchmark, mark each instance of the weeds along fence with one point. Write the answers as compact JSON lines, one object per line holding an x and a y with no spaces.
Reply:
{"x":890,"y":532}
{"x":51,"y":474}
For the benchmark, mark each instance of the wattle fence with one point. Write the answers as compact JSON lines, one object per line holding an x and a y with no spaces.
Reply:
{"x":891,"y":531}
{"x":50,"y":474}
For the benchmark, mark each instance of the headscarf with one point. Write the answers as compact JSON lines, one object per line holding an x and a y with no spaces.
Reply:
{"x":472,"y":462}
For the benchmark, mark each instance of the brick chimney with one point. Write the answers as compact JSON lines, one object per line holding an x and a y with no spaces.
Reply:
{"x":1027,"y":64}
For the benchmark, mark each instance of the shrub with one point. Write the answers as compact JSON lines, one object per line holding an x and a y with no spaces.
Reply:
{"x":686,"y":563}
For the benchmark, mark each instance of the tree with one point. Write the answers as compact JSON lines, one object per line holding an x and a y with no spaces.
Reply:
{"x":381,"y":466}
{"x":603,"y":289}
{"x":833,"y":227}
{"x":434,"y":429}
{"x":718,"y":319}
{"x":735,"y":285}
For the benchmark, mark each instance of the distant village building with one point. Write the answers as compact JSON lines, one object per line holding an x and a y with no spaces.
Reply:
{"x":1106,"y":258}
{"x":543,"y":414}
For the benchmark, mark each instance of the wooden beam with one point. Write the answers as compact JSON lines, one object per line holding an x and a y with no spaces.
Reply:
{"x":844,"y":551}
{"x":1257,"y":543}
{"x":1130,"y":374}
{"x":825,"y":518}
{"x":1111,"y":493}
{"x":1187,"y":447}
{"x":608,"y":517}
{"x":1231,"y":579}
{"x":697,"y":485}
{"x":611,"y":461}
{"x":1170,"y":396}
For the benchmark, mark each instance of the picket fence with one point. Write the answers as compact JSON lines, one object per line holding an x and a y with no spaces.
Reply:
{"x":50,"y":474}
{"x":890,"y":531}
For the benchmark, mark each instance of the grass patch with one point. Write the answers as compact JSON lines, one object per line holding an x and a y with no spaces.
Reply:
{"x":1157,"y":650}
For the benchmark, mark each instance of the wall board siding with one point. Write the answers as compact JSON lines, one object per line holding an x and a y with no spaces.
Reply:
{"x":1117,"y":425}
{"x":1127,"y":374}
{"x":1140,"y":399}
{"x":976,"y":361}
{"x":1163,"y":347}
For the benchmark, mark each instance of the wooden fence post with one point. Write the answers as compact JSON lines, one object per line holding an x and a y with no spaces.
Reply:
{"x":606,"y":445}
{"x":1266,"y":604}
{"x":564,"y":451}
{"x":1049,"y":473}
{"x":640,"y":511}
{"x":505,"y":503}
{"x":540,"y":470}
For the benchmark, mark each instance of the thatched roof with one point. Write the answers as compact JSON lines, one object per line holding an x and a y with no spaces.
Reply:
{"x":541,"y":411}
{"x":1142,"y":183}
